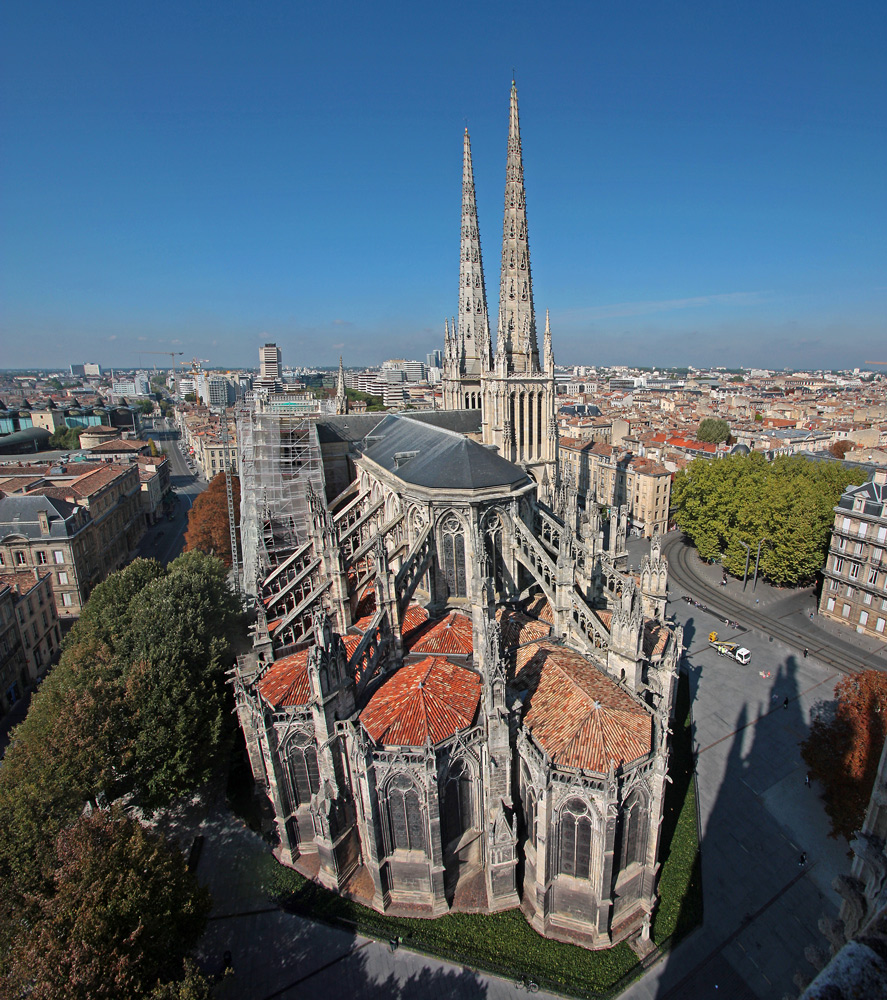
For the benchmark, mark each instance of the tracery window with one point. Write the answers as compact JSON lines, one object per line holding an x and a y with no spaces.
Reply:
{"x":301,"y":774}
{"x":493,"y":548}
{"x":528,"y":803}
{"x":406,"y":827}
{"x":634,"y":830}
{"x":457,"y":804}
{"x":453,"y":543}
{"x":574,"y":843}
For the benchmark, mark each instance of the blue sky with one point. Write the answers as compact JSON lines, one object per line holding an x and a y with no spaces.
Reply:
{"x":705,"y":181}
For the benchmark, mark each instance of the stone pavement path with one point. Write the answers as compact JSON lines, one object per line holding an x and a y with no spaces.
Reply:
{"x":279,"y":956}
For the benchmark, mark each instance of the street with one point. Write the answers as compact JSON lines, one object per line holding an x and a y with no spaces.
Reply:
{"x":164,"y":541}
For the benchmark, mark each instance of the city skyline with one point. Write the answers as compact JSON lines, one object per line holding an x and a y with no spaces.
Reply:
{"x":703,"y":188}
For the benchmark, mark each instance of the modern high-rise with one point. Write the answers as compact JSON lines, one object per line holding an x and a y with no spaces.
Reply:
{"x":269,"y":365}
{"x":513,"y":389}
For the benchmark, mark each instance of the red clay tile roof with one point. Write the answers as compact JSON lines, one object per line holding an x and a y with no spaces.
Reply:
{"x":423,"y":702}
{"x":578,"y":715}
{"x":366,"y":608}
{"x":286,"y":682}
{"x":655,"y":638}
{"x":414,"y":619}
{"x":540,"y":608}
{"x":518,"y":629}
{"x":452,"y":635}
{"x":351,"y":642}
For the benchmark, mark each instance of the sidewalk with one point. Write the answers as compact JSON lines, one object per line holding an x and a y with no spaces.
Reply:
{"x":279,"y":956}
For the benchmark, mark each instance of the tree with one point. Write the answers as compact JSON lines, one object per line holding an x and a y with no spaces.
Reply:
{"x":712,"y":430}
{"x":840,"y":448}
{"x":175,"y":691}
{"x":145,"y":406}
{"x":123,"y":913}
{"x":66,"y":438}
{"x":190,"y":397}
{"x":208,"y":524}
{"x":787,"y":505}
{"x":844,"y":747}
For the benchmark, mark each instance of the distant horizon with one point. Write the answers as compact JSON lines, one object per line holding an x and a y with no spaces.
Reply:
{"x":701,"y":182}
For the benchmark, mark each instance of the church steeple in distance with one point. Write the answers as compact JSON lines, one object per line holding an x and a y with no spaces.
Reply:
{"x":473,"y":322}
{"x":517,"y":320}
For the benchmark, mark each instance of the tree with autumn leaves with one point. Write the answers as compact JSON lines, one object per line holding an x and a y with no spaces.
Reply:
{"x":844,"y":747}
{"x":208,"y":526}
{"x":135,"y":714}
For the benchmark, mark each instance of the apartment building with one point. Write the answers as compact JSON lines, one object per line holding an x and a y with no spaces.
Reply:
{"x":36,"y":618}
{"x":13,"y":665}
{"x":854,"y":589}
{"x":81,"y":525}
{"x":612,"y":477}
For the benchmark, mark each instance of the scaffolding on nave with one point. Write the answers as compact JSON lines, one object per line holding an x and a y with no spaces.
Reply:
{"x":279,"y":457}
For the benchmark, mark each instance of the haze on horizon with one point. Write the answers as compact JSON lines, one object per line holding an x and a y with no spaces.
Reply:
{"x":704,"y":186}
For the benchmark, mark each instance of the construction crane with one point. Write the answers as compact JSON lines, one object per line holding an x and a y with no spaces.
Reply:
{"x":875,"y":362}
{"x":172,"y":356}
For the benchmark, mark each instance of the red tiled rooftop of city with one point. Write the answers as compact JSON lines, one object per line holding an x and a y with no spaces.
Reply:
{"x":286,"y":682}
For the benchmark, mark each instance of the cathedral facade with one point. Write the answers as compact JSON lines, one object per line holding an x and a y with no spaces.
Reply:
{"x":459,"y":696}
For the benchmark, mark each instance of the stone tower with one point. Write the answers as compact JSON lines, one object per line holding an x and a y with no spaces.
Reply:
{"x":513,"y":389}
{"x":467,"y":353}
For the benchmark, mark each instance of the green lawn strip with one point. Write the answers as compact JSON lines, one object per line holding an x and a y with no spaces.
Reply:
{"x":501,"y":943}
{"x":680,"y":881}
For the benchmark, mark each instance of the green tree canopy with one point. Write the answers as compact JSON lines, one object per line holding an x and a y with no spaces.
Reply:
{"x":787,"y":503}
{"x":713,"y":430}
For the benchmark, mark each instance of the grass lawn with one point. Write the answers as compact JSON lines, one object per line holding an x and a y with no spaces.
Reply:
{"x":504,"y":943}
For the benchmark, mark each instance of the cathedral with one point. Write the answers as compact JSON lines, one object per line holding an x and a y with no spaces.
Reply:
{"x":459,"y":696}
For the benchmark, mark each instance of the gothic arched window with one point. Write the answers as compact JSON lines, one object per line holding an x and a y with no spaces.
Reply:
{"x":301,"y":775}
{"x":634,"y":830}
{"x":454,"y":556}
{"x":406,"y":827}
{"x":457,"y":808}
{"x":528,"y":804}
{"x":493,"y":548}
{"x":574,"y":854}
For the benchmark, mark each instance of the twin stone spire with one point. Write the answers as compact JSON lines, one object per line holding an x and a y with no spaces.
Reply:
{"x":511,"y":387}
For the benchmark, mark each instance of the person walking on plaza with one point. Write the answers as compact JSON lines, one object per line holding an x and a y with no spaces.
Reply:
{"x":805,"y":652}
{"x":785,"y":703}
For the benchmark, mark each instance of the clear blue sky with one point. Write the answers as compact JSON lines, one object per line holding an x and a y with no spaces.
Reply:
{"x":705,"y":181}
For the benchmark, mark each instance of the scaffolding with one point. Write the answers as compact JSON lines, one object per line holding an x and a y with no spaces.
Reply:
{"x":279,"y":456}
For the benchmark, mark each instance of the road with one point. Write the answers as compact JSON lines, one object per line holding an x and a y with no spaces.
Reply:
{"x":782,"y":614}
{"x":164,"y":541}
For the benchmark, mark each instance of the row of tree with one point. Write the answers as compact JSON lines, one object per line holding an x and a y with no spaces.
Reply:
{"x":787,"y":504}
{"x":208,"y":522}
{"x":92,"y":903}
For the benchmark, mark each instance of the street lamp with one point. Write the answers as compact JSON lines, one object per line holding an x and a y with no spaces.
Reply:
{"x":757,"y":561}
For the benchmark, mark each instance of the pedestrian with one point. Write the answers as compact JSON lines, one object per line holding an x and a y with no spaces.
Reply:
{"x":785,"y":703}
{"x":805,"y":652}
{"x":811,"y":616}
{"x":802,"y":860}
{"x":807,"y":780}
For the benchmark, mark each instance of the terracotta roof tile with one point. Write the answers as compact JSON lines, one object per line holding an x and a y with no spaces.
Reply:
{"x":578,"y":715}
{"x":286,"y":682}
{"x":539,"y":607}
{"x":452,"y":636}
{"x":655,"y":638}
{"x":423,"y":702}
{"x":518,"y":629}
{"x":414,"y":619}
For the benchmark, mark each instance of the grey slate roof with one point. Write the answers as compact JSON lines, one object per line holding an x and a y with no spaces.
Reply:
{"x":18,"y":516}
{"x":356,"y":426}
{"x":438,"y":458}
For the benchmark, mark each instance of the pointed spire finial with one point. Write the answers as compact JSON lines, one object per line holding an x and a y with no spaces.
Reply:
{"x":473,"y":327}
{"x":517,"y":320}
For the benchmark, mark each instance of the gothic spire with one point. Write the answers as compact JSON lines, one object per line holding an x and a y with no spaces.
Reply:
{"x":341,"y":395}
{"x":517,"y":321}
{"x":474,"y":326}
